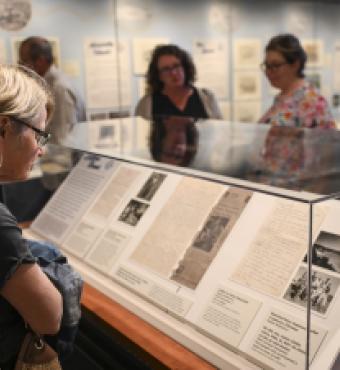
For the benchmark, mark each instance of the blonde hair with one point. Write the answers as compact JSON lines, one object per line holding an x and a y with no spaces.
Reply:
{"x":24,"y":94}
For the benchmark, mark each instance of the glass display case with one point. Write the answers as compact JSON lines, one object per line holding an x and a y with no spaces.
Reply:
{"x":221,"y":262}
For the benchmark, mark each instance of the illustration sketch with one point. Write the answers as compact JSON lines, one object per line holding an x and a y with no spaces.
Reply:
{"x":247,"y":85}
{"x":133,"y":212}
{"x":326,"y":252}
{"x":314,"y":51}
{"x":323,"y":286}
{"x":151,"y":186}
{"x":247,"y":53}
{"x":210,"y":237}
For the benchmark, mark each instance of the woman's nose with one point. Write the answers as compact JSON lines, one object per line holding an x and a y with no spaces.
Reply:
{"x":41,"y":151}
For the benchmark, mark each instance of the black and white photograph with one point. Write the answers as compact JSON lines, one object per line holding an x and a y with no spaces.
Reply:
{"x":151,"y":186}
{"x":324,"y":288}
{"x":326,"y":252}
{"x":211,"y":231}
{"x":133,"y":212}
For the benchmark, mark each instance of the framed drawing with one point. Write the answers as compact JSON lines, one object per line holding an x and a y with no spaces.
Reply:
{"x":314,"y":51}
{"x":247,"y":85}
{"x":247,"y":53}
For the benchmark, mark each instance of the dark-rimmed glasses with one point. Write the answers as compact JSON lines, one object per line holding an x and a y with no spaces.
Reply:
{"x":272,"y":66}
{"x":168,"y":70}
{"x":41,"y":137}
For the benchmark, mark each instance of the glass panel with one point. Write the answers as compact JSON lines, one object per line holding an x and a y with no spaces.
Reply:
{"x":287,"y":157}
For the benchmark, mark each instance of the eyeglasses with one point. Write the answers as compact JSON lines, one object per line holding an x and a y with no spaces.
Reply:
{"x":168,"y":70}
{"x":41,"y":137}
{"x":272,"y":66}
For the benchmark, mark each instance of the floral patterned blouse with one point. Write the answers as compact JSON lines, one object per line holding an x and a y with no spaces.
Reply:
{"x":286,"y":155}
{"x":305,"y":107}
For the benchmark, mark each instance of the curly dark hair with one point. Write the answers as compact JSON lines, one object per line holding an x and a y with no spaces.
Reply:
{"x":153,"y":81}
{"x":289,"y":46}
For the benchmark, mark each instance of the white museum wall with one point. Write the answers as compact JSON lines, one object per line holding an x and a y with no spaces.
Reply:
{"x":182,"y":22}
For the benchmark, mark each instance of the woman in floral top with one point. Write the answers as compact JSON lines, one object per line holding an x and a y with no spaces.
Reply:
{"x":299,"y":105}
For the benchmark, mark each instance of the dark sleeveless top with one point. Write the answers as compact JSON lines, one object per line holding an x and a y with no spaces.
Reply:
{"x":162,"y":105}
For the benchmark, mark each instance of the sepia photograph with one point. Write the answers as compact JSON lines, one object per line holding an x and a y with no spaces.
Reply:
{"x":326,"y":252}
{"x":151,"y":186}
{"x":323,"y":290}
{"x":133,"y":212}
{"x":210,"y":233}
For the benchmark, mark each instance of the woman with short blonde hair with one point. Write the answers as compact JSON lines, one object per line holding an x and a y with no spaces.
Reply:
{"x":26,"y":294}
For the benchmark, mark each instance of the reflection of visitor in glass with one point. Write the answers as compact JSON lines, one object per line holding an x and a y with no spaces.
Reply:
{"x":170,"y":90}
{"x":174,"y":140}
{"x":299,"y":104}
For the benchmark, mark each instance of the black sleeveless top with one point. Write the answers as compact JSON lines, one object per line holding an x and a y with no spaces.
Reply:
{"x":162,"y":105}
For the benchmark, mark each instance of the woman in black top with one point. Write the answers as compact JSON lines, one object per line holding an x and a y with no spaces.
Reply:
{"x":170,"y":79}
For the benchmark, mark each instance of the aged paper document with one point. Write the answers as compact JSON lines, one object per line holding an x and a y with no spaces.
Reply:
{"x":278,"y":248}
{"x":211,"y":59}
{"x":210,"y":237}
{"x":73,"y":196}
{"x":113,"y":193}
{"x":105,"y":88}
{"x":173,"y":230}
{"x":107,"y":250}
{"x":96,"y":218}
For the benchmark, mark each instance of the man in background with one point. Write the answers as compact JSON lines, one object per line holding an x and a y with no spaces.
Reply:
{"x":36,"y":53}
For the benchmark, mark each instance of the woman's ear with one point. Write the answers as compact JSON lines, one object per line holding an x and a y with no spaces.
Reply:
{"x":4,"y":123}
{"x":296,"y":65}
